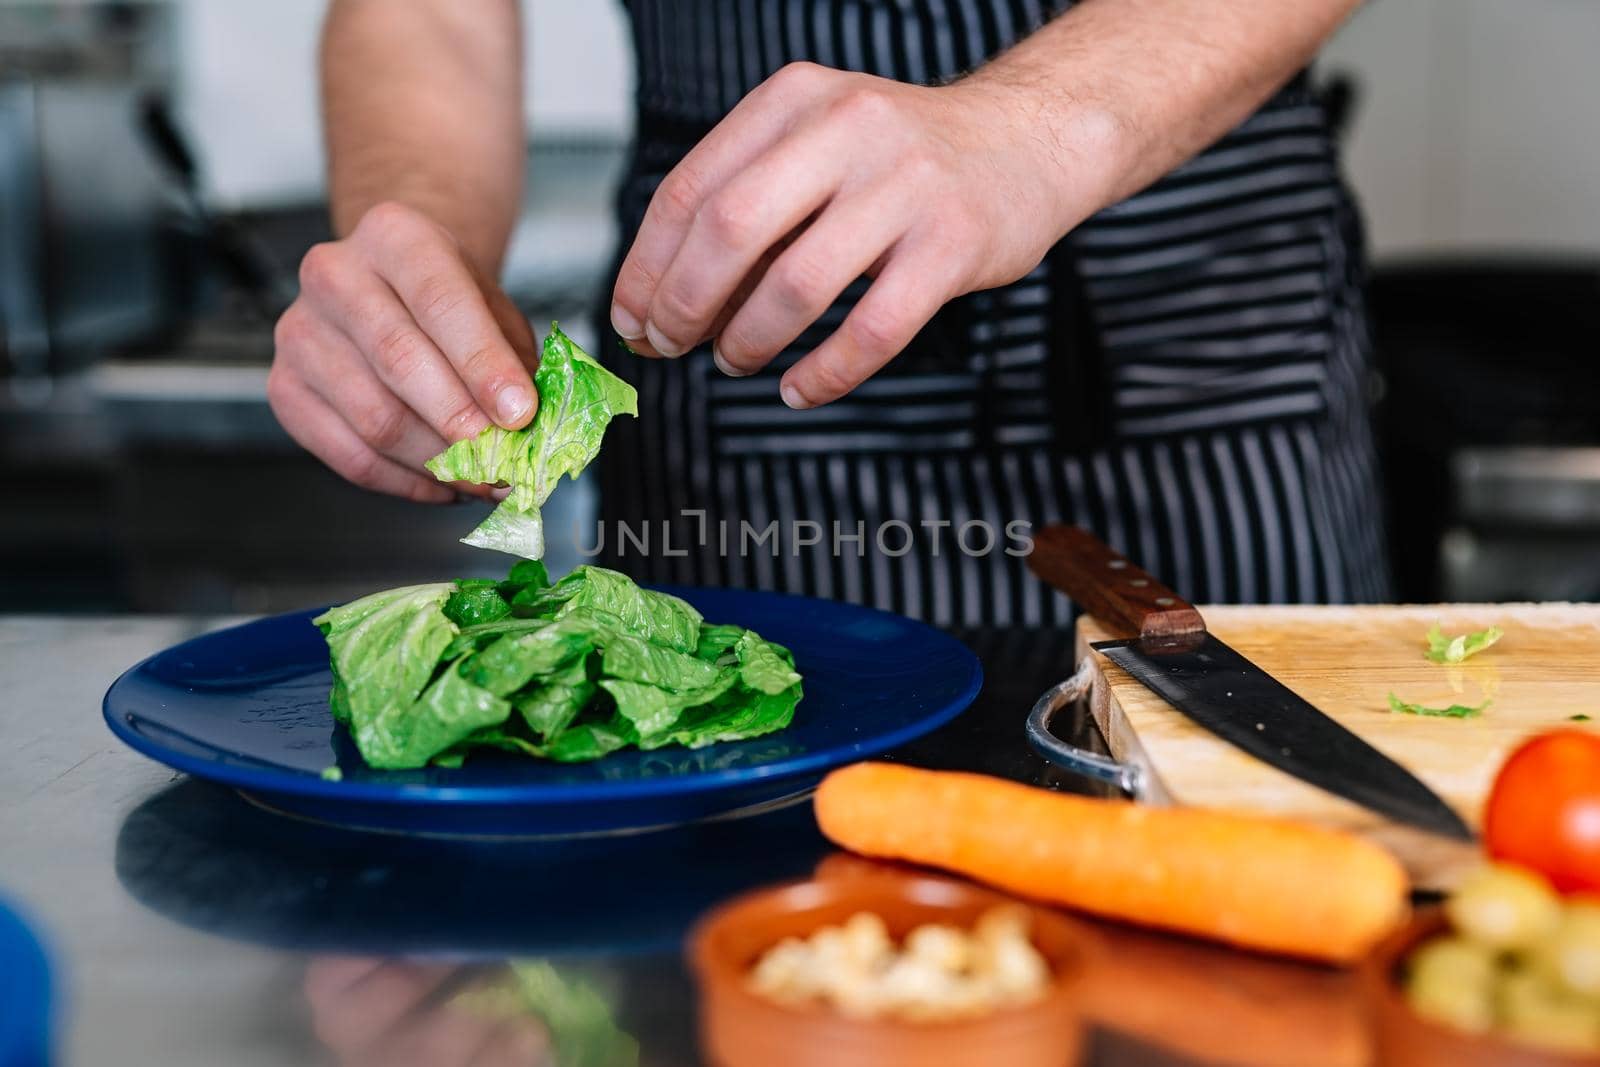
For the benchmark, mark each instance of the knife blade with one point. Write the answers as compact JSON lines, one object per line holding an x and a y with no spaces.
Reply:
{"x":1171,"y":653}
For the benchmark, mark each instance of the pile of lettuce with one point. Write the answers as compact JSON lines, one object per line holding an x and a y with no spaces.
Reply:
{"x":568,"y":671}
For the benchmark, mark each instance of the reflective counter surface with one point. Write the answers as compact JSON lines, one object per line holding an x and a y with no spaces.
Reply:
{"x":186,"y":927}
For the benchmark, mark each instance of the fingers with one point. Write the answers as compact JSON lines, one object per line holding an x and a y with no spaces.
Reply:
{"x":520,"y":1042}
{"x":445,"y":299}
{"x":445,"y":1035}
{"x":360,"y":1015}
{"x":328,"y":976}
{"x":735,"y":226}
{"x":320,"y":430}
{"x":802,"y":283}
{"x":912,"y":286}
{"x":331,"y":367}
{"x":369,"y":312}
{"x":758,"y":121}
{"x":514,"y":325}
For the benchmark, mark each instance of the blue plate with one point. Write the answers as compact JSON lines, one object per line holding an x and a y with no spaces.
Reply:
{"x":25,"y":1007}
{"x":248,"y":707}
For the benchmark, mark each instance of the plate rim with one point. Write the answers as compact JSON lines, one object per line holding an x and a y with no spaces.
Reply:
{"x":312,"y":785}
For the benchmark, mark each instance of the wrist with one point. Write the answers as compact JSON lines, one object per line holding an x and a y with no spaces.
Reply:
{"x":1081,"y":150}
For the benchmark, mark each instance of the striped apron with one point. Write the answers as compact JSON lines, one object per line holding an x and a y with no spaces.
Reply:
{"x":1185,"y":373}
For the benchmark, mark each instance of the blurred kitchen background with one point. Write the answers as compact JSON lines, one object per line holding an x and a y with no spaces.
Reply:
{"x":161,"y":174}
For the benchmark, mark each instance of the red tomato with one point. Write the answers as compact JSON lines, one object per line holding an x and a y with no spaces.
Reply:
{"x":1544,"y":810}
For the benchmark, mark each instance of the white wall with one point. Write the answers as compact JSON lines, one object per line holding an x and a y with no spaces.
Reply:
{"x":250,"y":90}
{"x":1480,"y":127}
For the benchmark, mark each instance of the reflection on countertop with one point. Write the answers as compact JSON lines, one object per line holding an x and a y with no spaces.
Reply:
{"x":194,"y":928}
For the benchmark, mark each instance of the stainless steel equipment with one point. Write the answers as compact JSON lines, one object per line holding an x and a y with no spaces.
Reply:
{"x":81,"y":197}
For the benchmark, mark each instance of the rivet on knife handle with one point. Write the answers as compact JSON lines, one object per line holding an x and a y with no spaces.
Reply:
{"x":1107,"y":585}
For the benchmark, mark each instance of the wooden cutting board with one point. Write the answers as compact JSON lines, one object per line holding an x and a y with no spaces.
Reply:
{"x":1346,"y":661}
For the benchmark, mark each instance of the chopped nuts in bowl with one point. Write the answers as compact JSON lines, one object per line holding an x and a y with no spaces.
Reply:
{"x":887,"y":965}
{"x":939,"y":971}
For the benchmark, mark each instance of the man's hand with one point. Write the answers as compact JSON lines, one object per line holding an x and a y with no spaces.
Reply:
{"x":820,"y":176}
{"x":396,"y":347}
{"x":386,"y":1013}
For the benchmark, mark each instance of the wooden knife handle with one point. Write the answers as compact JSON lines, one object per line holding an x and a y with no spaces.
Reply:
{"x":1105,"y":584}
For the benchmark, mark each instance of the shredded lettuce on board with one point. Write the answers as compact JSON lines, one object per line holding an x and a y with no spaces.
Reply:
{"x":1454,"y":711}
{"x":569,"y":672}
{"x":578,"y":398}
{"x":1444,"y":649}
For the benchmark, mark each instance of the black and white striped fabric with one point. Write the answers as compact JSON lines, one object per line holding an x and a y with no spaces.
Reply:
{"x":1185,"y":373}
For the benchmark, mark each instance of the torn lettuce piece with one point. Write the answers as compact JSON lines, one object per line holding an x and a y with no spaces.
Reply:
{"x":449,"y":711}
{"x":578,"y":398}
{"x":1454,"y":711}
{"x":1443,"y":649}
{"x":717,"y":641}
{"x":555,"y":703}
{"x":476,"y":601}
{"x":578,"y":1017}
{"x":513,"y":660}
{"x":651,"y":711}
{"x":384,"y":649}
{"x":763,"y":666}
{"x":738,"y":715}
{"x":585,"y":741}
{"x":655,"y":617}
{"x":636,"y":660}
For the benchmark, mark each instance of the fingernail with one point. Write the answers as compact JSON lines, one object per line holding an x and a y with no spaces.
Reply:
{"x":792,"y":397}
{"x":625,"y":324}
{"x":659,"y":342}
{"x":724,"y":366}
{"x":512,"y":404}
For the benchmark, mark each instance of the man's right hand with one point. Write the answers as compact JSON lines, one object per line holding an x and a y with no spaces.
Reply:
{"x":396,"y":347}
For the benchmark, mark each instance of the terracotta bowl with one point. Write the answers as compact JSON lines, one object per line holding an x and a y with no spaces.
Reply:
{"x":1402,"y":1038}
{"x":740,"y":1028}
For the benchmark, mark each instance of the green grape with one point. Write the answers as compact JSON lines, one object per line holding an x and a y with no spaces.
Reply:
{"x":1570,"y":956}
{"x":1451,"y":980}
{"x":1504,"y":907}
{"x":1536,"y":1011}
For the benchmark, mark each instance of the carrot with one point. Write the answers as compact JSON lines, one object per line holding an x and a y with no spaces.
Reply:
{"x":1250,"y":881}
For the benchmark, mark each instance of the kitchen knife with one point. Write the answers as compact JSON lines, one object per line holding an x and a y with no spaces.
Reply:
{"x":1173,"y":655}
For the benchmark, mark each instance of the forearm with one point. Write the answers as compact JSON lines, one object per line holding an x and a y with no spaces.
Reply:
{"x":1119,"y":92}
{"x":422,"y":104}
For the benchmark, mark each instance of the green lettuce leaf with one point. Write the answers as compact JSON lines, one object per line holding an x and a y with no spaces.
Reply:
{"x":763,"y":666}
{"x":1443,"y":649}
{"x":584,"y":742}
{"x":551,"y":706}
{"x":513,"y":660}
{"x":579,"y":1019}
{"x":651,"y":711}
{"x":576,"y":1014}
{"x":1454,"y":711}
{"x":449,"y":710}
{"x":655,"y":617}
{"x":637,"y":660}
{"x":718,"y":641}
{"x":384,"y":649}
{"x":476,"y":601}
{"x":578,"y":398}
{"x":736,"y":716}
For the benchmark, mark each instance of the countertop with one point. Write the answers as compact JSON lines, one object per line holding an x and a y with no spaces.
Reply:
{"x":187,"y":927}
